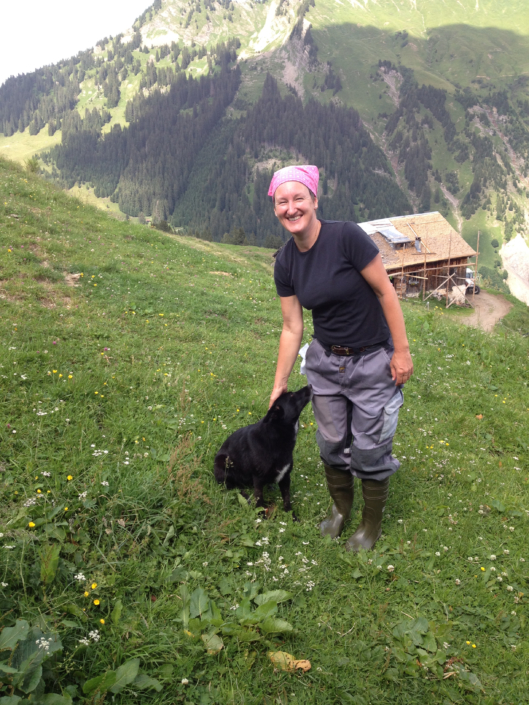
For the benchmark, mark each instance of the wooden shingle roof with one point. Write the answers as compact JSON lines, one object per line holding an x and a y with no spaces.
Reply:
{"x":439,"y":240}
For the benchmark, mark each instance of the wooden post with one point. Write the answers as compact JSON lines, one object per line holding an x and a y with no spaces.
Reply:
{"x":424,"y":275}
{"x":475,"y":270}
{"x":448,"y":268}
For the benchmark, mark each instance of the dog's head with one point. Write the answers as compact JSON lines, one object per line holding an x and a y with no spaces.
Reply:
{"x":288,"y":407}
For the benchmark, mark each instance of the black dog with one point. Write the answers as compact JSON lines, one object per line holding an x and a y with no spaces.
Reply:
{"x":261,"y":454}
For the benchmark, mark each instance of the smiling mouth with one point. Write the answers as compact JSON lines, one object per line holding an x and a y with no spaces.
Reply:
{"x":293,"y":220}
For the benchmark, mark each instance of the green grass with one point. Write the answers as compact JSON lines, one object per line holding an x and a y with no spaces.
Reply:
{"x":130,"y":381}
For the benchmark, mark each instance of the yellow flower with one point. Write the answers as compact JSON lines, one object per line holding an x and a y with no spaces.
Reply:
{"x":473,"y":646}
{"x":468,"y":643}
{"x":96,"y":392}
{"x":38,"y":492}
{"x":94,"y":585}
{"x":70,"y":477}
{"x":101,"y":621}
{"x":54,"y":372}
{"x":31,"y":524}
{"x":65,"y":509}
{"x":96,"y":602}
{"x":86,"y":593}
{"x":70,"y":376}
{"x":60,"y":375}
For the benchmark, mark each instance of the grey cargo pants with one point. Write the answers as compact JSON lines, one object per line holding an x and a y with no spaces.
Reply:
{"x":356,"y":405}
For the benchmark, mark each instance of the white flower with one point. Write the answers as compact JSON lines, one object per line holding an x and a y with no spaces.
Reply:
{"x":204,"y":564}
{"x":281,"y":531}
{"x":458,"y":582}
{"x":79,"y":576}
{"x":506,"y":551}
{"x":499,"y":579}
{"x":4,"y":584}
{"x":104,"y":483}
{"x":258,"y":521}
{"x":513,"y":613}
{"x":391,"y":568}
{"x":437,"y":553}
{"x":83,"y":495}
{"x":283,"y":523}
{"x":510,"y":588}
{"x":445,"y":548}
{"x":46,"y":474}
{"x":5,"y":546}
{"x":249,"y":564}
{"x":446,"y":645}
{"x":84,"y":641}
{"x":492,"y":569}
{"x":522,"y":560}
{"x":234,"y":607}
{"x":400,"y":521}
{"x":184,"y":681}
{"x":94,"y":635}
{"x":492,"y":557}
{"x":511,"y":528}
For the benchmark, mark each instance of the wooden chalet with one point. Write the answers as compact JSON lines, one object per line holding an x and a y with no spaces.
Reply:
{"x":420,"y":251}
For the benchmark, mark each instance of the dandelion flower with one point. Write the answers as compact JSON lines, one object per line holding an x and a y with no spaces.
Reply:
{"x":31,"y":524}
{"x":86,"y":593}
{"x":65,"y":509}
{"x":70,"y":477}
{"x":101,"y":621}
{"x":96,"y":602}
{"x":93,"y":586}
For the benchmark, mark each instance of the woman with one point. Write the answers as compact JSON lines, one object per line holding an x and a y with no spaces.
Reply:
{"x":359,"y":358}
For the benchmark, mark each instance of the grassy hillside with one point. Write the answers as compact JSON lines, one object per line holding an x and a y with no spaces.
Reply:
{"x":144,"y":577}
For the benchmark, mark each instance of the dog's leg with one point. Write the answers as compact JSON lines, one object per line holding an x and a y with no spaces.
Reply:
{"x":258,"y":494}
{"x":284,"y":486}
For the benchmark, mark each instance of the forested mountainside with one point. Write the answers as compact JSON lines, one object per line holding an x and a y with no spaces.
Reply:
{"x":406,"y":106}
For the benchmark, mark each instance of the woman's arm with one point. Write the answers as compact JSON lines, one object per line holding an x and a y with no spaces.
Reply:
{"x":289,"y":343}
{"x":377,"y":278}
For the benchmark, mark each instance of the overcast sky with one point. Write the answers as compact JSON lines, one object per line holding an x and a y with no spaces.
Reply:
{"x":39,"y":32}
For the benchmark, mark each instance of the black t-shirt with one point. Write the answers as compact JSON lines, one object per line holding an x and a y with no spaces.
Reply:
{"x":327,"y":281}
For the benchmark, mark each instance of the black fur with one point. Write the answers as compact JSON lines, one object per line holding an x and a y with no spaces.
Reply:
{"x":257,"y":455}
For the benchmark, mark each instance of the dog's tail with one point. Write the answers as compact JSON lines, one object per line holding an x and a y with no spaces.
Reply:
{"x":220,"y":468}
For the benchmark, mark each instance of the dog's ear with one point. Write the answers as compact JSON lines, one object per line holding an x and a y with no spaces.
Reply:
{"x":274,"y":413}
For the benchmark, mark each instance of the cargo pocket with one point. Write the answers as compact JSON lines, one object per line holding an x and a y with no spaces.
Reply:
{"x":391,"y":416}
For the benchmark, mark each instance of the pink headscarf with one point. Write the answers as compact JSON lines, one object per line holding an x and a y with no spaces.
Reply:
{"x":306,"y":174}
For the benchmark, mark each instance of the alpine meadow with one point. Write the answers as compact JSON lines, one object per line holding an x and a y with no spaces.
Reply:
{"x":139,"y":327}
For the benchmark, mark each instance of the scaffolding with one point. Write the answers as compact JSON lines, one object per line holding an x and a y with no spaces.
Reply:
{"x":449,"y":282}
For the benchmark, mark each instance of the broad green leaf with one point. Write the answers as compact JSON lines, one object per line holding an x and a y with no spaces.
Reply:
{"x":242,"y":500}
{"x":4,"y":668}
{"x":10,"y":700}
{"x":273,"y":625}
{"x":274,"y":595}
{"x":356,"y":574}
{"x":250,"y":590}
{"x":49,"y":560}
{"x":116,"y":612}
{"x":125,"y":674}
{"x":144,"y":682}
{"x":498,"y":505}
{"x":100,"y":683}
{"x":225,"y":587}
{"x":177,"y":575}
{"x":54,"y":699}
{"x":10,"y":635}
{"x":421,"y":625}
{"x":199,"y":602}
{"x":31,"y":679}
{"x":213,"y":643}
{"x":264,"y":611}
{"x":429,"y":642}
{"x":74,"y":609}
{"x":392,"y":674}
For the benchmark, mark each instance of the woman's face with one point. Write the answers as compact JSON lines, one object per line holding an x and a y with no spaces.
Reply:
{"x":295,"y":207}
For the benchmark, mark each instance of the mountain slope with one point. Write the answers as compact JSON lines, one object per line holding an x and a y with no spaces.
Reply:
{"x":441,"y":88}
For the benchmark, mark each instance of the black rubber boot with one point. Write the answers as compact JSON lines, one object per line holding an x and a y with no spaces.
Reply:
{"x":341,"y":488}
{"x":375,"y":496}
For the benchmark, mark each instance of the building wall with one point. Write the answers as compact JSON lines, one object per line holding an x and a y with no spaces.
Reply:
{"x":435,"y":273}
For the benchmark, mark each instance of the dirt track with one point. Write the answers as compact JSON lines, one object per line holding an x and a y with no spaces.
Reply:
{"x":488,"y":309}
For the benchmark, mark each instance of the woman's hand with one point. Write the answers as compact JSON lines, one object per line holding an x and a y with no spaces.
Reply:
{"x":401,"y":366}
{"x":276,"y":393}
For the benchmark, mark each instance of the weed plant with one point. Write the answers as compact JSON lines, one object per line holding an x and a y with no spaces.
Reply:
{"x":127,"y":358}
